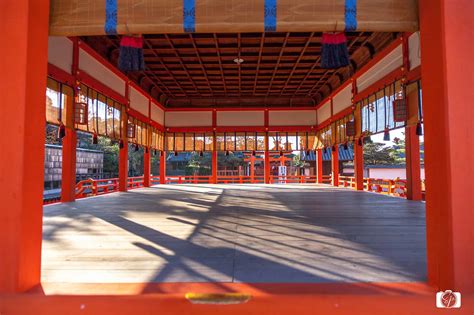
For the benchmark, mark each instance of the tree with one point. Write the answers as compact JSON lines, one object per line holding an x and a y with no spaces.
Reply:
{"x":377,"y":153}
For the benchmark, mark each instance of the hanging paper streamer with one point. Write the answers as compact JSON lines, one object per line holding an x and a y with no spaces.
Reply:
{"x":270,"y":15}
{"x":189,"y":16}
{"x":110,"y":17}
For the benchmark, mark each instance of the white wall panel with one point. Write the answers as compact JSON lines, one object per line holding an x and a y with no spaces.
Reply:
{"x":342,"y":100}
{"x":389,"y":63}
{"x":242,"y":118}
{"x":414,"y":52}
{"x":60,"y":52}
{"x":138,"y":101}
{"x":292,"y":118}
{"x":99,"y":72}
{"x":188,"y":119}
{"x":324,"y":112}
{"x":157,"y":114}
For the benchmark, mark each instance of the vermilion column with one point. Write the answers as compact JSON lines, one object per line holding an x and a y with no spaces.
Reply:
{"x":319,"y":165}
{"x":412,"y":154}
{"x":266,"y":161}
{"x":68,"y":172}
{"x":335,"y":166}
{"x":214,"y":160}
{"x":252,"y":169}
{"x":163,"y":167}
{"x":447,"y":68}
{"x":359,"y":166}
{"x":23,"y":63}
{"x":123,"y":155}
{"x":146,"y":168}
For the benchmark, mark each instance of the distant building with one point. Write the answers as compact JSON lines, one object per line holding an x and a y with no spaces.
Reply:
{"x":89,"y":163}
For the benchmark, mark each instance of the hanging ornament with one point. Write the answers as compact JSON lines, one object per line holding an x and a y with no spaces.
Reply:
{"x":419,"y":129}
{"x":281,"y":153}
{"x":350,"y":128}
{"x":359,"y":142}
{"x":346,"y":146}
{"x":95,"y":138}
{"x":334,"y":52}
{"x":201,"y":154}
{"x":325,"y":150}
{"x":254,"y":153}
{"x":61,"y":130}
{"x":175,"y":153}
{"x":136,"y":147}
{"x":131,"y":54}
{"x":227,"y":153}
{"x":386,"y":135}
{"x":121,"y":144}
{"x":154,"y":152}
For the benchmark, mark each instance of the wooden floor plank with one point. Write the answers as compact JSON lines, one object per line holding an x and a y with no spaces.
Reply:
{"x":235,"y":233}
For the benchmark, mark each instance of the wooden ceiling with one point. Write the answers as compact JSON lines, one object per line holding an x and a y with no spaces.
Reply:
{"x":278,"y":69}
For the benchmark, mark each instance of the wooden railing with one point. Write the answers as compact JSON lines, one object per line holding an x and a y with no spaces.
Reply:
{"x":240,"y":179}
{"x":292,"y":179}
{"x":93,"y":187}
{"x":327,"y":179}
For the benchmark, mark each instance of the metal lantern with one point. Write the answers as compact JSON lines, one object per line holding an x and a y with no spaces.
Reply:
{"x":350,"y":128}
{"x":400,"y":110}
{"x":131,"y":130}
{"x":81,"y":109}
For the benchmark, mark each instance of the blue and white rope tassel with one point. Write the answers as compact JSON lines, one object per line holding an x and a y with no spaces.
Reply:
{"x":270,"y":16}
{"x":189,"y":16}
{"x":350,"y":15}
{"x":110,"y":25}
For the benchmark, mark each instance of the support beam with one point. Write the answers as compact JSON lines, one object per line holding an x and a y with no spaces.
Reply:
{"x":23,"y":62}
{"x":335,"y":165}
{"x":319,"y":165}
{"x":359,"y":166}
{"x":69,"y":144}
{"x":123,"y":155}
{"x":163,"y":167}
{"x":447,"y":67}
{"x":412,"y":154}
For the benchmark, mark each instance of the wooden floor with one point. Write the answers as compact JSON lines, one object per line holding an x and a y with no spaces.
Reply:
{"x":235,"y":233}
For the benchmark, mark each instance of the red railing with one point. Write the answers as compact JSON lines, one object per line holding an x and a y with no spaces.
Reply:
{"x":240,"y":179}
{"x":189,"y":179}
{"x":327,"y":179}
{"x":93,"y":187}
{"x":292,"y":179}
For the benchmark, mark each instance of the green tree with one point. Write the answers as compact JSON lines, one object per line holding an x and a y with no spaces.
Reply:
{"x":376,"y":153}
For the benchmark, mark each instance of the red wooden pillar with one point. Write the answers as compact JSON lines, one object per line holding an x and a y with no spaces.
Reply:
{"x":68,"y":172}
{"x":447,"y":67}
{"x":214,"y":160}
{"x":123,"y":155}
{"x":412,"y":154}
{"x":359,"y":166}
{"x":267,"y":160}
{"x":23,"y":60}
{"x":163,"y":167}
{"x":335,"y":165}
{"x":146,"y":167}
{"x":319,"y":166}
{"x":252,"y":169}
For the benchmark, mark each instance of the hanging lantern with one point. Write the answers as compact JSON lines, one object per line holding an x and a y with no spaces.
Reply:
{"x":175,"y":153}
{"x":350,"y":128}
{"x":386,"y":135}
{"x":227,"y":153}
{"x":136,"y":147}
{"x":281,"y":153}
{"x":154,"y":152}
{"x":419,"y":129}
{"x":254,"y":153}
{"x":80,"y":113}
{"x":131,"y":130}
{"x":201,"y":154}
{"x":400,"y":110}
